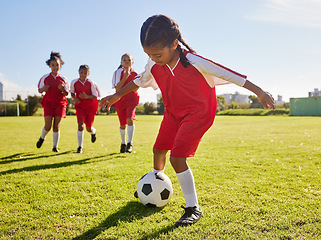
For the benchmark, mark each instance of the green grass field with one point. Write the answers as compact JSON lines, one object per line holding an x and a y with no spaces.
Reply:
{"x":256,"y":178}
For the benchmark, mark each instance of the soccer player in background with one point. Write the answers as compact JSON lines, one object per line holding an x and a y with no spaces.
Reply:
{"x":126,"y":106}
{"x":187,"y":82}
{"x":54,"y":101}
{"x":85,"y":93}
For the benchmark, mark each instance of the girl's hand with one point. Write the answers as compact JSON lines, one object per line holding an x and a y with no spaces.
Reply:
{"x":61,"y":87}
{"x":45,"y":88}
{"x":108,"y":101}
{"x":83,"y":95}
{"x":126,"y":72}
{"x":77,"y":100}
{"x":267,"y":100}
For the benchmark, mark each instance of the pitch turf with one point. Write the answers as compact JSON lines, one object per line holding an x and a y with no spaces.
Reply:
{"x":256,"y":178}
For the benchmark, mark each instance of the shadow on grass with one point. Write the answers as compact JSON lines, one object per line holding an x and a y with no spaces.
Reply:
{"x":19,"y":157}
{"x":130,"y":212}
{"x":61,"y":164}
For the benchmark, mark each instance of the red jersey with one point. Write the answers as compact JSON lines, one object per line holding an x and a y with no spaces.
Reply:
{"x":53,"y":95}
{"x":90,"y":88}
{"x":130,"y":97}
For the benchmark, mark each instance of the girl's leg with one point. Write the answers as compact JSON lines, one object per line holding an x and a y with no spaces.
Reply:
{"x":45,"y":130}
{"x":80,"y":136}
{"x":122,"y":130}
{"x":92,"y":131}
{"x":130,"y":132}
{"x":56,"y":133}
{"x":159,"y":159}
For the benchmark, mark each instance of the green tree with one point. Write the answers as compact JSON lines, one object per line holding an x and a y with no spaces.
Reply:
{"x":149,"y":108}
{"x":160,"y":106}
{"x":221,"y":105}
{"x":255,"y":103}
{"x":32,"y":104}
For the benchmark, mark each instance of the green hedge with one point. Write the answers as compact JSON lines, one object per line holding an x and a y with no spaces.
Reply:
{"x":254,"y":112}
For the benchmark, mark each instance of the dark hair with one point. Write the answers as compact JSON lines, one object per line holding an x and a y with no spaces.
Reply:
{"x":126,"y":54}
{"x":54,"y":56}
{"x":84,"y":66}
{"x":162,"y":31}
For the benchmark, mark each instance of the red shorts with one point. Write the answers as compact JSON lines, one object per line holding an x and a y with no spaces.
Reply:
{"x":181,"y":137}
{"x":85,"y":116}
{"x":126,"y":109}
{"x":54,"y":111}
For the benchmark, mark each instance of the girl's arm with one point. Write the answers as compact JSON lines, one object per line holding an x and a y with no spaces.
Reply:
{"x":122,"y":81}
{"x":265,"y":98}
{"x":61,"y":87}
{"x":111,"y":99}
{"x":44,"y":89}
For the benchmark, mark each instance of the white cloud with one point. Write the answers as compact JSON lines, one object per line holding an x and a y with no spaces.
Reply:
{"x":11,"y":89}
{"x":299,"y":13}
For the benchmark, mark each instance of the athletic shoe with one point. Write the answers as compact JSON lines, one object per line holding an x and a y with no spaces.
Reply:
{"x":79,"y":150}
{"x":40,"y":142}
{"x":190,"y":216}
{"x":93,"y":138}
{"x":55,"y":149}
{"x":122,"y":148}
{"x":129,"y":147}
{"x":135,"y":194}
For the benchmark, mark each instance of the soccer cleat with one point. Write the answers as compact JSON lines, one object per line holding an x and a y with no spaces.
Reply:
{"x":191,"y":216}
{"x":93,"y":138}
{"x":135,"y":194}
{"x":129,"y":147}
{"x":55,"y":149}
{"x":40,"y":142}
{"x":79,"y":150}
{"x":122,"y":148}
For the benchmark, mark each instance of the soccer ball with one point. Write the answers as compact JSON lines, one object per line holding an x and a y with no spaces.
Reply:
{"x":154,"y":189}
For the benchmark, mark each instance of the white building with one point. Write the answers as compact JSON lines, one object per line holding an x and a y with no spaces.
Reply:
{"x":315,"y":93}
{"x":279,"y":101}
{"x":236,"y":97}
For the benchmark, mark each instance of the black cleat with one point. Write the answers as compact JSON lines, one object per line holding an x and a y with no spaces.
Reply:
{"x":135,"y":194}
{"x":55,"y":149}
{"x":40,"y":142}
{"x":190,"y":216}
{"x":79,"y":150}
{"x":93,"y":138}
{"x":122,"y":148}
{"x":129,"y":147}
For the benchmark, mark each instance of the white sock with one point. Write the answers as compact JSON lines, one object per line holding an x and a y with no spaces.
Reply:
{"x":123,"y":135}
{"x":130,"y":132}
{"x":44,"y":133}
{"x":80,"y":136}
{"x":157,"y":171}
{"x":55,"y":136}
{"x":186,"y":181}
{"x":93,"y":130}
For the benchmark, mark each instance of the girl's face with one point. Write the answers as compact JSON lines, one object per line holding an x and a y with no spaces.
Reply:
{"x":163,"y":56}
{"x":54,"y":66}
{"x":126,"y":61}
{"x":83,"y":74}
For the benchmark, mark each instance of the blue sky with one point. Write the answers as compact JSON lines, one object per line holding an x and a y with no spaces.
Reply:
{"x":276,"y":43}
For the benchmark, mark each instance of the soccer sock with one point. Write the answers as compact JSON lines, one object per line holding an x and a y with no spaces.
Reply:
{"x":93,"y":130}
{"x":44,"y":133}
{"x":80,"y":135}
{"x":186,"y":181}
{"x":123,"y":135}
{"x":55,"y":136}
{"x":157,"y":171}
{"x":130,"y":132}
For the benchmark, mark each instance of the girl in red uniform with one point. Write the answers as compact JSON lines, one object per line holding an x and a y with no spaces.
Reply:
{"x":85,"y":93}
{"x":187,"y":82}
{"x":126,"y":106}
{"x":54,"y":101}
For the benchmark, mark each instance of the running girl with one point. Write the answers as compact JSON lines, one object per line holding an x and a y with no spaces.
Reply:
{"x":85,"y":93}
{"x":126,"y":106}
{"x":187,"y":82}
{"x":54,"y":101}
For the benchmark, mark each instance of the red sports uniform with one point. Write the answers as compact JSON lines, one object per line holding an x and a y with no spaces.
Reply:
{"x":87,"y":108}
{"x":189,"y":98}
{"x":54,"y":102}
{"x":126,"y":106}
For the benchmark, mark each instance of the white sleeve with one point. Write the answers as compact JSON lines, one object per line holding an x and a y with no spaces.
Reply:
{"x":94,"y":89}
{"x":146,"y":79}
{"x":72,"y":85}
{"x":214,"y":73}
{"x":66,"y":84}
{"x":116,"y":77}
{"x":41,"y":82}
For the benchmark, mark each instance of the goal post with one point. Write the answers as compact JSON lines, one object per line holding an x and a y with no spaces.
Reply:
{"x":4,"y":109}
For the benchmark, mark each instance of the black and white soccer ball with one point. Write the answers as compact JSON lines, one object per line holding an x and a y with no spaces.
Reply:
{"x":154,"y":189}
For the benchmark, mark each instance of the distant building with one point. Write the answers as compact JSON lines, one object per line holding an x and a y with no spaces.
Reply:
{"x":279,"y":101}
{"x":1,"y":91}
{"x":315,"y":93}
{"x":236,"y":97}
